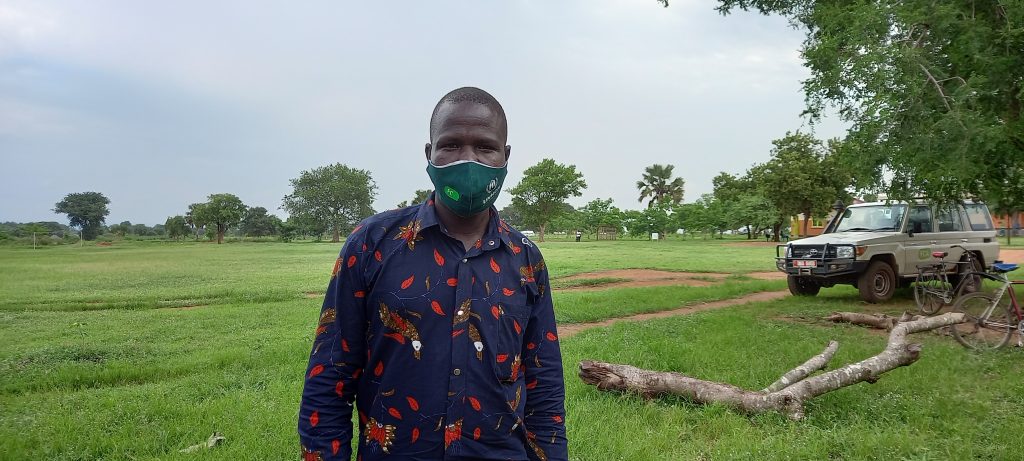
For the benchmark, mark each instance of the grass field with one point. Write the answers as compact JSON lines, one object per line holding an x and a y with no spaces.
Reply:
{"x":99,"y":360}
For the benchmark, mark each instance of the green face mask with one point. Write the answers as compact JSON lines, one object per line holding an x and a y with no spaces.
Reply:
{"x":466,"y":187}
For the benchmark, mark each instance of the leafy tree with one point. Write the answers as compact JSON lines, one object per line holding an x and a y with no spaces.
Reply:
{"x":421,"y":196}
{"x":86,"y":211}
{"x":600,"y":213}
{"x":800,"y":178}
{"x":336,"y":197}
{"x":176,"y":227}
{"x":220,"y":211}
{"x":933,"y":91}
{"x":511,"y":216}
{"x":141,"y":230}
{"x":122,"y":229}
{"x":540,"y":196}
{"x":659,"y":186}
{"x":1005,"y":195}
{"x":258,"y":223}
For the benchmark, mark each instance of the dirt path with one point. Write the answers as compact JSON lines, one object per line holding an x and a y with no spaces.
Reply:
{"x":652,"y":278}
{"x":568,"y":330}
{"x":1012,"y":256}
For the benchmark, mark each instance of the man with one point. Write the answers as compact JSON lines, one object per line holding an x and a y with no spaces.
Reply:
{"x":438,"y":320}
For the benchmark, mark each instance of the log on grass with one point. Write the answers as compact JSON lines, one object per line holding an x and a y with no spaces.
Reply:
{"x":788,"y":394}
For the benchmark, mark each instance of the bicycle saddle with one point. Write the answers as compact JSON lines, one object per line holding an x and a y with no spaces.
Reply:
{"x":939,"y":254}
{"x":1004,"y":267}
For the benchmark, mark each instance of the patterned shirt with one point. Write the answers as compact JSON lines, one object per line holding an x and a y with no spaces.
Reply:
{"x":448,"y":354}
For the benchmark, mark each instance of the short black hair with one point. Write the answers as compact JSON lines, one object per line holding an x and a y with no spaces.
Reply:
{"x":468,"y":94}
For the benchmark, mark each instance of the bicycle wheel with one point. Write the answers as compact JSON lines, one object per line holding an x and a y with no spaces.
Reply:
{"x":992,"y":331}
{"x":929,"y":292}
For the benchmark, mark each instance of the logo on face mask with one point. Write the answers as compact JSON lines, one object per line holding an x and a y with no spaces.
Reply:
{"x":452,"y":193}
{"x":492,"y":185}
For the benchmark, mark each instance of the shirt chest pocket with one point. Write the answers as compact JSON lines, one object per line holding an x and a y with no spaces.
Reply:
{"x":512,"y":316}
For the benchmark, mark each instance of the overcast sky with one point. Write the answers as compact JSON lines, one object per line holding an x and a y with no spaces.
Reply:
{"x":159,"y":104}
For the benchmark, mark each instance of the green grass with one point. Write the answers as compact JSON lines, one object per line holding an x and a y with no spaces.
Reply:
{"x":90,"y":368}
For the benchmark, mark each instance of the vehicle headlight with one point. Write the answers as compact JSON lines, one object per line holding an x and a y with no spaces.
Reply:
{"x":844,"y":252}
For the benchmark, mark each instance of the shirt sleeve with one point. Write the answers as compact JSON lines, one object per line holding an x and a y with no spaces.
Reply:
{"x":336,"y":361}
{"x":545,"y":387}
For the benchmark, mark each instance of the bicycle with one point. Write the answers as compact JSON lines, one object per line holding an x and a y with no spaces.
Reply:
{"x":991,"y":318}
{"x":932,"y":288}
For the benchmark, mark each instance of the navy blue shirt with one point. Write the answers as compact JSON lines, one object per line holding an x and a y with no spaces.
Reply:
{"x":447,"y":353}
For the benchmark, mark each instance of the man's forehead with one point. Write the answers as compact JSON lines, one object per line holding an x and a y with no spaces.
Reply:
{"x":468,"y":114}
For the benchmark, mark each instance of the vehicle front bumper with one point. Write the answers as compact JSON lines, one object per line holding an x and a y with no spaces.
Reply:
{"x":824,"y":267}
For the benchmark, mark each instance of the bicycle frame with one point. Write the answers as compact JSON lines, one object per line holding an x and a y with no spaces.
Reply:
{"x":1007,"y":287}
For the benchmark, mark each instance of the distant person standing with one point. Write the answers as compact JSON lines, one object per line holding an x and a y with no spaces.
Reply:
{"x":579,"y":235}
{"x":438,"y":321}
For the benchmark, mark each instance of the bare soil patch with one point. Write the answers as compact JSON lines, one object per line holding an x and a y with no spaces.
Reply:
{"x":646,"y":278}
{"x":568,"y":330}
{"x":314,"y":294}
{"x":636,"y":278}
{"x":1012,"y":256}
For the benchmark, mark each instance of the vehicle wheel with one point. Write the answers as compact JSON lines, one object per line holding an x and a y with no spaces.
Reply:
{"x":878,"y":283}
{"x":972,"y":284}
{"x":802,"y":286}
{"x":929,"y":291}
{"x":978,"y":333}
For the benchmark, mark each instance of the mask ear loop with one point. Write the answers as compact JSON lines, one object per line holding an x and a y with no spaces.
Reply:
{"x":460,"y":162}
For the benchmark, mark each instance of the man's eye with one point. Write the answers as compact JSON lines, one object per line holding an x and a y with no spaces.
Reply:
{"x":486,"y":148}
{"x":449,"y":146}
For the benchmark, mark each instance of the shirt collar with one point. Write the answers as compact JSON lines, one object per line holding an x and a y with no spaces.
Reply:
{"x":497,"y":232}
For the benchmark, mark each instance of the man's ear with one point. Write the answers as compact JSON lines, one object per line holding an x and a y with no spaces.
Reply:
{"x":426,"y":150}
{"x":508,"y":152}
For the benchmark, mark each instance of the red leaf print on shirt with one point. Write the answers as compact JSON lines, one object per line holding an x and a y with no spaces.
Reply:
{"x":396,"y":336}
{"x":314,"y":418}
{"x":457,"y":332}
{"x":379,"y":369}
{"x":531,"y":384}
{"x":438,"y":258}
{"x":476,"y":434}
{"x":436,"y":306}
{"x":515,"y":324}
{"x":394,"y":412}
{"x":501,"y":358}
{"x":413,"y":404}
{"x":360,"y":294}
{"x":495,"y":267}
{"x":515,"y":249}
{"x":551,"y":336}
{"x":378,"y":256}
{"x":474,"y":403}
{"x":339,"y":388}
{"x":557,"y":418}
{"x":453,"y":281}
{"x":316,"y":370}
{"x":415,"y":434}
{"x":407,"y":282}
{"x":351,"y":260}
{"x":335,"y":446}
{"x":508,"y":292}
{"x":496,"y":311}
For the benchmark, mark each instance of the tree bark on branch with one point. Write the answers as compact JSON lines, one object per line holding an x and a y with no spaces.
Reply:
{"x":788,"y":394}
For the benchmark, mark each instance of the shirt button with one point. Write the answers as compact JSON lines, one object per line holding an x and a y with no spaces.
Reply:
{"x":459,"y":313}
{"x":465,"y":260}
{"x":456,"y":372}
{"x":490,"y":242}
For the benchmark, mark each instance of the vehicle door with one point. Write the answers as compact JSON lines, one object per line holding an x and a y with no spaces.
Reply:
{"x":951,"y":231}
{"x":920,"y":238}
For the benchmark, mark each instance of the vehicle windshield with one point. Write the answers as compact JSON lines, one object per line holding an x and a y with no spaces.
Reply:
{"x":872,"y":218}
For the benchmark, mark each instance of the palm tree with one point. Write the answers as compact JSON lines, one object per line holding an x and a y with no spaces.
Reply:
{"x":659,"y":186}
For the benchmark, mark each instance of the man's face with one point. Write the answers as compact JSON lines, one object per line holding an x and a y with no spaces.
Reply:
{"x":468,"y":131}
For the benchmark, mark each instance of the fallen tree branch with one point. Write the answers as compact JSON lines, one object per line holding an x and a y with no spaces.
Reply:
{"x":818,"y":362}
{"x":790,"y":398}
{"x":882,"y":322}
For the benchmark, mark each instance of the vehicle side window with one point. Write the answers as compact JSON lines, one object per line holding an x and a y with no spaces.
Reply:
{"x":978,"y":216}
{"x":949,"y":220}
{"x":920,"y":219}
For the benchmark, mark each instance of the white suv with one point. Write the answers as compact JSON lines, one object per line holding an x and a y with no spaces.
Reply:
{"x":877,"y":247}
